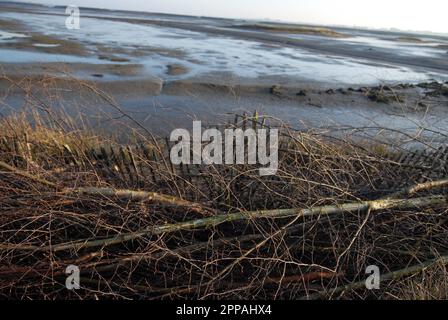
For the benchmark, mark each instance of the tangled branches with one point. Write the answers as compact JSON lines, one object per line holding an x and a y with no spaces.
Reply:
{"x":146,"y":230}
{"x":138,"y":226}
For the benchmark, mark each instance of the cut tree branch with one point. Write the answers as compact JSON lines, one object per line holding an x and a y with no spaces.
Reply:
{"x":375,"y":205}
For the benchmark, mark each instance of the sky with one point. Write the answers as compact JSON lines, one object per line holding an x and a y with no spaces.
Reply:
{"x":418,"y":15}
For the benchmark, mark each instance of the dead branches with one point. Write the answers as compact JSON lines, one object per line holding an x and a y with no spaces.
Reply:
{"x":421,"y":187}
{"x":133,"y":195}
{"x":130,"y":195}
{"x":27,"y":175}
{"x":151,"y":234}
{"x":405,"y":272}
{"x":214,"y":221}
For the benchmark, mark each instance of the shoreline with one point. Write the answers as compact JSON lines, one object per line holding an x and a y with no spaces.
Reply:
{"x":167,"y":86}
{"x":164,"y":106}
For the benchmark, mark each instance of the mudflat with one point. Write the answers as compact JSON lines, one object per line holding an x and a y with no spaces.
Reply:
{"x":166,"y":68}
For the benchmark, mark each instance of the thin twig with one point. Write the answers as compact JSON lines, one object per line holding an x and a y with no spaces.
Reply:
{"x":386,"y":277}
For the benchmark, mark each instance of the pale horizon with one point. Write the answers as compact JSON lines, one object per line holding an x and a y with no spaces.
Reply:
{"x":400,"y":14}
